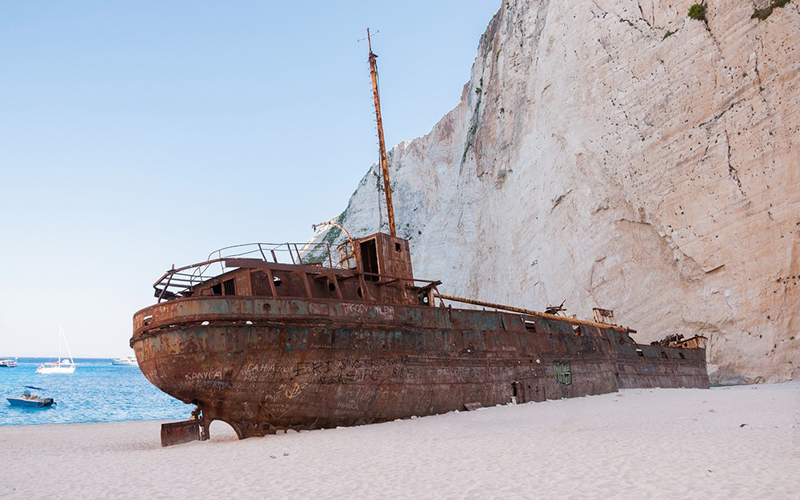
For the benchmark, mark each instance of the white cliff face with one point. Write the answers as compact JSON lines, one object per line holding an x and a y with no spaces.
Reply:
{"x":620,"y":155}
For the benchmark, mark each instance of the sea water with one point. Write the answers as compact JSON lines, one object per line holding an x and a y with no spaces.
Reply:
{"x":97,"y":392}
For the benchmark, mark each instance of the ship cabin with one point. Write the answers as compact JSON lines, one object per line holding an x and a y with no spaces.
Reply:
{"x":373,"y":269}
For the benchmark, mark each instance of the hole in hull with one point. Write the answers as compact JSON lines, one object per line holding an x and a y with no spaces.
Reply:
{"x":221,"y":431}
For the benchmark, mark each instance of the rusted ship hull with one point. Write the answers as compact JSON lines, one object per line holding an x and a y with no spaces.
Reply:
{"x":646,"y":366}
{"x":265,"y":364}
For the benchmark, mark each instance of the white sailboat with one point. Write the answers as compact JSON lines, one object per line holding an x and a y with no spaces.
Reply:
{"x":63,"y":365}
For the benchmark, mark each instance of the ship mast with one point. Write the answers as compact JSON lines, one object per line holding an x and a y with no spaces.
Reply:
{"x":373,"y":69}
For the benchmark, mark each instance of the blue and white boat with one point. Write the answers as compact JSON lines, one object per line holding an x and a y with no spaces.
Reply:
{"x":31,"y":399}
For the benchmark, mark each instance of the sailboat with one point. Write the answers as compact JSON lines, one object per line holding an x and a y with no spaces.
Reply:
{"x":63,"y":365}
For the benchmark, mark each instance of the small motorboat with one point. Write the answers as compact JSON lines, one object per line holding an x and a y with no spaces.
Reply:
{"x":31,"y":399}
{"x":8,"y":363}
{"x":126,"y":361}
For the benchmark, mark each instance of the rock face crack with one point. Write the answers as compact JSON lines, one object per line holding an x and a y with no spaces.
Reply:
{"x":714,"y":41}
{"x":644,"y":18}
{"x":541,"y":19}
{"x":719,"y":115}
{"x":734,"y":174}
{"x":558,"y":200}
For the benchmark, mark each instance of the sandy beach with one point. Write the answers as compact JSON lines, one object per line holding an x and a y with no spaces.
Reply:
{"x":729,"y":442}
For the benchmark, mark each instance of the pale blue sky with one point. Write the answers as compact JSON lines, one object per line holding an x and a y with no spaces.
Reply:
{"x":135,"y":135}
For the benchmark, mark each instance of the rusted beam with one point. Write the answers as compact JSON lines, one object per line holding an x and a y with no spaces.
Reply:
{"x":431,"y":284}
{"x":271,"y":279}
{"x":260,"y":264}
{"x":342,"y":274}
{"x":373,"y":69}
{"x":529,"y":312}
{"x":307,"y":287}
{"x":299,"y":257}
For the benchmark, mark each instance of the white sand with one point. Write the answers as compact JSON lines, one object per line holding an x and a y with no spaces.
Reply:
{"x":660,"y":443}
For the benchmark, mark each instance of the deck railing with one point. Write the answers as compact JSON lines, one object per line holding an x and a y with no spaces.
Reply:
{"x":180,"y":279}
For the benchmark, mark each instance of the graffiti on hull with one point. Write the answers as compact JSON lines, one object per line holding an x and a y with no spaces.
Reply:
{"x":562,"y":372}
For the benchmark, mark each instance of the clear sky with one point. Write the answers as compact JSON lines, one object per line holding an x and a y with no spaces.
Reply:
{"x":137,"y":135}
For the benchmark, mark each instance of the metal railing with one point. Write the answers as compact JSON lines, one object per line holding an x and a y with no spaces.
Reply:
{"x":181,"y":279}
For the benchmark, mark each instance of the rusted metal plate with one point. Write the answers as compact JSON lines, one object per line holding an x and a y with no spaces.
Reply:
{"x":180,"y":432}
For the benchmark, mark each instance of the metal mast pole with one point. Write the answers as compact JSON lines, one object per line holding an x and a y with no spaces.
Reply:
{"x":373,"y":68}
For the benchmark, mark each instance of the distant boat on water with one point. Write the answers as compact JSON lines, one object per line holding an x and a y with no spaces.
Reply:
{"x":126,"y":361}
{"x":63,"y":365}
{"x":8,"y":363}
{"x":30,"y":399}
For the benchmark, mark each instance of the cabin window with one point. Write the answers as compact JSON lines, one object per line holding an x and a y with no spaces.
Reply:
{"x":369,"y":259}
{"x":530,"y":326}
{"x":230,"y":286}
{"x":397,"y":247}
{"x":216,"y":289}
{"x":639,"y":352}
{"x":277,"y":281}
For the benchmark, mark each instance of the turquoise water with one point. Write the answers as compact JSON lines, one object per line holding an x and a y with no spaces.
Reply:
{"x":97,"y":392}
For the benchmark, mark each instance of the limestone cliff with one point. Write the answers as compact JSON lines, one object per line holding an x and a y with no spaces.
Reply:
{"x":620,"y":154}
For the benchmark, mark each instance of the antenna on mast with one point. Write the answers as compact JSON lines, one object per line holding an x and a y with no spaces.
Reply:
{"x":373,"y":69}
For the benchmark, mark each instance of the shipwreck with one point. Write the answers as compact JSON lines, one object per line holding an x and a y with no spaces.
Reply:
{"x":271,"y":337}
